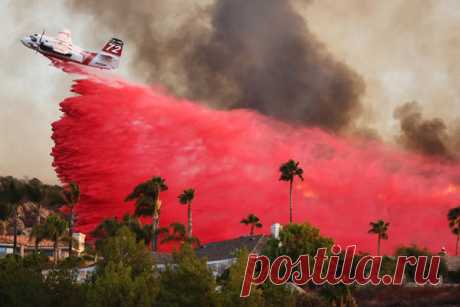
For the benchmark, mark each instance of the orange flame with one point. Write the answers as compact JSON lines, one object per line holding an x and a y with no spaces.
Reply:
{"x":306,"y":190}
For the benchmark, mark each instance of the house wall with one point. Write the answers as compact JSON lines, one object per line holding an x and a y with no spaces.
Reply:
{"x":219,"y":266}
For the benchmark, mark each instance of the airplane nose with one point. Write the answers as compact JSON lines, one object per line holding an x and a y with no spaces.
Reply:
{"x":26,"y":42}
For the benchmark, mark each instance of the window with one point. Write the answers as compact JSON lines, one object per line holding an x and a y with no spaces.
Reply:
{"x":5,"y":250}
{"x":47,"y":252}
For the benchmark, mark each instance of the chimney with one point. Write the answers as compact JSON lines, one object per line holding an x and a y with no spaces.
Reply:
{"x":275,"y":229}
{"x":80,"y":239}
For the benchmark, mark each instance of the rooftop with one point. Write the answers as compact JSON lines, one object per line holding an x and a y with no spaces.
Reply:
{"x":26,"y":241}
{"x":453,"y":262}
{"x":162,"y":258}
{"x":225,"y":249}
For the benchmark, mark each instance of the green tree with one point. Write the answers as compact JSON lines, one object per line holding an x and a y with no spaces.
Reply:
{"x":70,"y":198}
{"x":380,"y":228}
{"x":125,"y":249}
{"x":116,"y":286}
{"x":63,"y":288}
{"x":186,"y":198}
{"x":109,"y":227}
{"x":147,"y":202}
{"x":106,"y":229}
{"x":54,"y":230}
{"x":188,"y":283}
{"x":142,"y":232}
{"x":454,"y":223}
{"x":126,"y":276}
{"x":253,"y":221}
{"x":13,"y":194}
{"x":21,"y":285}
{"x":278,"y":296}
{"x":177,"y":233}
{"x":295,"y":240}
{"x":231,"y":287}
{"x":289,"y":171}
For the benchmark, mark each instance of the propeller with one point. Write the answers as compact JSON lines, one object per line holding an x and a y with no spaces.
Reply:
{"x":40,"y":41}
{"x":41,"y":36}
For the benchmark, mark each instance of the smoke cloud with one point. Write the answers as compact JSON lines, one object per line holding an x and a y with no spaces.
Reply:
{"x":255,"y":54}
{"x":430,"y":136}
{"x":402,"y":50}
{"x":423,"y":135}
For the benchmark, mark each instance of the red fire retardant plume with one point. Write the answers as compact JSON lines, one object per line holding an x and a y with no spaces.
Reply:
{"x":114,"y":135}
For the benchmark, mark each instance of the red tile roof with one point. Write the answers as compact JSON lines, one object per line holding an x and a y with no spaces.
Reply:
{"x":26,"y":241}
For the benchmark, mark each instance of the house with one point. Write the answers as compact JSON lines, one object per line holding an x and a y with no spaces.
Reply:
{"x":161,"y":260}
{"x":221,"y":255}
{"x":453,"y":263}
{"x":26,"y":246}
{"x":453,"y":268}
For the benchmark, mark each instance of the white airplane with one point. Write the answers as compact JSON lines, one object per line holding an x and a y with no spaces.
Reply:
{"x":61,"y":47}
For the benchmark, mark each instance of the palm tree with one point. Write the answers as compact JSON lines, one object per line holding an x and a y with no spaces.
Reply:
{"x":12,"y":192}
{"x":454,"y":223}
{"x":36,"y":193}
{"x":109,"y":228}
{"x":39,"y":234}
{"x":379,"y":228}
{"x":186,"y":199}
{"x":70,"y":198}
{"x":147,"y":202}
{"x":54,"y":230}
{"x":252,"y":220}
{"x":289,"y":171}
{"x":177,"y":233}
{"x":142,"y":232}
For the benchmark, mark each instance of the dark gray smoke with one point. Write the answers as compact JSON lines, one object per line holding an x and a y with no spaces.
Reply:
{"x":427,"y":136}
{"x":256,"y":54}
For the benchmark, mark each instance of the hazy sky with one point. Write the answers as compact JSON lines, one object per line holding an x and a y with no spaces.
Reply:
{"x":31,"y":89}
{"x":403,"y":50}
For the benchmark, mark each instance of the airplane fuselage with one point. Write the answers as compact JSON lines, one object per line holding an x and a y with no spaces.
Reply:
{"x":54,"y":48}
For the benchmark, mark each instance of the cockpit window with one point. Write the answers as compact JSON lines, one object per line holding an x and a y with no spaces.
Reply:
{"x":33,"y":39}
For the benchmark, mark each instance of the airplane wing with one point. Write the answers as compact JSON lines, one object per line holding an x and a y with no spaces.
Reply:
{"x":63,"y":43}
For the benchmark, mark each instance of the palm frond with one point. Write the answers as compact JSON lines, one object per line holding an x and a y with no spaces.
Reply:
{"x":186,"y":196}
{"x":289,"y":170}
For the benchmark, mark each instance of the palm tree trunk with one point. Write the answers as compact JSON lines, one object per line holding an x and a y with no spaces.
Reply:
{"x":15,"y":230}
{"x":38,"y":214}
{"x":456,"y":245}
{"x":290,"y":201}
{"x":378,"y":245}
{"x":38,"y":223}
{"x":252,"y":230}
{"x":56,"y":251}
{"x":70,"y":232}
{"x":189,"y":227}
{"x":154,"y":232}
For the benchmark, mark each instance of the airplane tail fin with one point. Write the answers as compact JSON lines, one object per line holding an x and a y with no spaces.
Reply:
{"x":111,"y":53}
{"x":114,"y":47}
